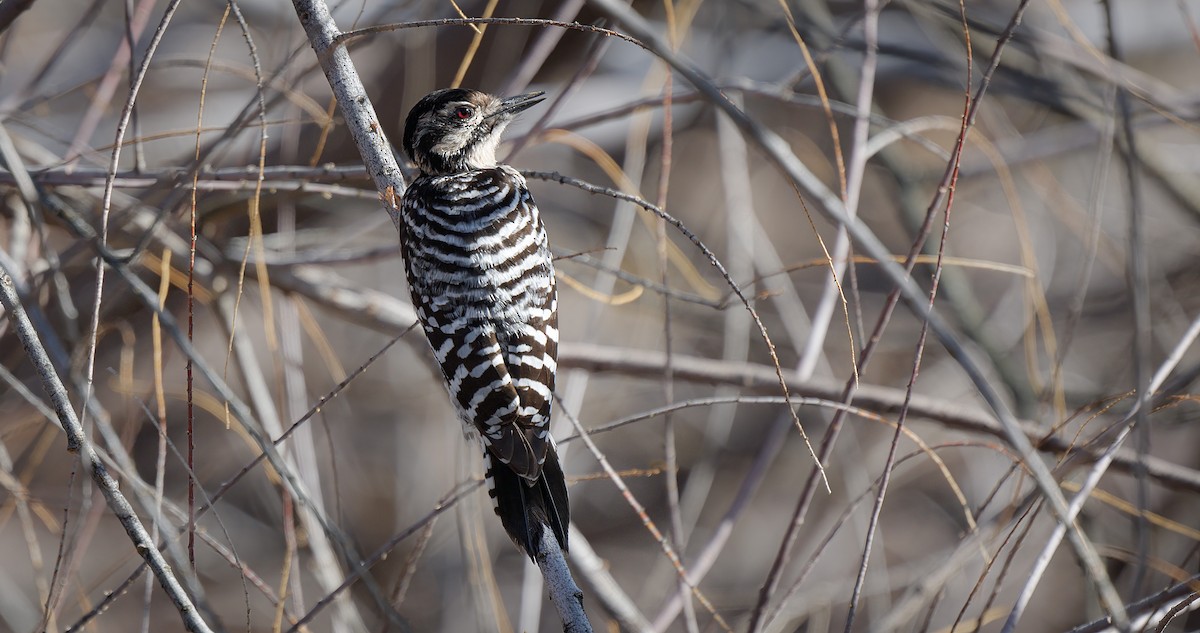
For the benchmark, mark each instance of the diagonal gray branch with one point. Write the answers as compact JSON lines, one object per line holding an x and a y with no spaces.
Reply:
{"x":353,"y":102}
{"x":77,"y":442}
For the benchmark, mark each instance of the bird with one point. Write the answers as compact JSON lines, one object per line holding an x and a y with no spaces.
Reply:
{"x":481,"y":277}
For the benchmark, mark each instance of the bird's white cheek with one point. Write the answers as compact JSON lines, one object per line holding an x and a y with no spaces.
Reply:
{"x":483,"y":155}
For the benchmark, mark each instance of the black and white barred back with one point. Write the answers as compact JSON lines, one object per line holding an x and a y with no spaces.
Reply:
{"x":482,"y":281}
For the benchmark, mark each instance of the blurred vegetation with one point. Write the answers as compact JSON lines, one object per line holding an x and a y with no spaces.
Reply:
{"x":1069,"y":270}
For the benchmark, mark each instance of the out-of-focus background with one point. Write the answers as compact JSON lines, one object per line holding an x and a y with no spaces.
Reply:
{"x":297,"y":284}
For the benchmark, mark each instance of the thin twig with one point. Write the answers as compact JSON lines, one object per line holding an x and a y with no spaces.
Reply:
{"x":349,"y":36}
{"x":251,"y":465}
{"x":870,"y":30}
{"x":191,"y":298}
{"x":107,"y":87}
{"x":447,"y":502}
{"x":647,"y":522}
{"x":1139,"y":465}
{"x":106,"y":200}
{"x":237,"y":406}
{"x":1138,"y":279}
{"x":538,"y":52}
{"x":1148,"y":605}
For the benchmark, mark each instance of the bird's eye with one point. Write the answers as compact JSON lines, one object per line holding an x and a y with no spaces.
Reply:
{"x":462,"y":113}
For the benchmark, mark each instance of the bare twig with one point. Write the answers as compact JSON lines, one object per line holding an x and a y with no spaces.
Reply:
{"x":236,"y":405}
{"x":541,"y":48}
{"x":1140,"y":465}
{"x":646,"y":521}
{"x":106,"y":202}
{"x":100,"y":101}
{"x":855,"y":175}
{"x":232,"y":481}
{"x":857,"y":171}
{"x":449,"y":501}
{"x":1138,"y":279}
{"x":1148,"y":606}
{"x":349,"y":36}
{"x":716,"y":263}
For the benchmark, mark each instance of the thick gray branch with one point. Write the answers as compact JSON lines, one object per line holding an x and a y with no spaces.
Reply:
{"x":352,"y":98}
{"x":564,"y":593}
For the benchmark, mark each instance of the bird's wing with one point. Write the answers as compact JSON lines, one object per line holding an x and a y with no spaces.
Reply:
{"x":530,"y":356}
{"x":493,"y":385}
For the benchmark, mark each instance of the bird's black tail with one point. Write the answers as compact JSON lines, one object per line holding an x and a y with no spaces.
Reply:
{"x":526,"y":508}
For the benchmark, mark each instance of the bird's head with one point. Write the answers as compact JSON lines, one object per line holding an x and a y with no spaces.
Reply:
{"x":455,"y":130}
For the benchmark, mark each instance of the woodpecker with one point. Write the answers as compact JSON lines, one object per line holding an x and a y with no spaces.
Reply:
{"x":482,"y":282}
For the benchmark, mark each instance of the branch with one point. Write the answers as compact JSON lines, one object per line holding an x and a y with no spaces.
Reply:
{"x":77,"y":442}
{"x":352,"y":100}
{"x":564,"y":593}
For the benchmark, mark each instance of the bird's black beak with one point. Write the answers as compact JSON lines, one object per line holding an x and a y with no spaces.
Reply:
{"x":512,"y":105}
